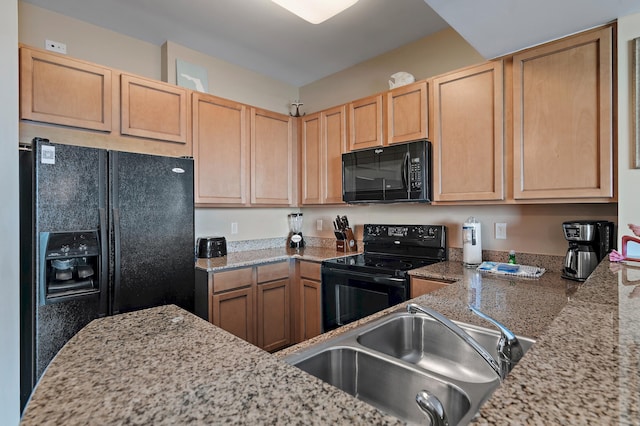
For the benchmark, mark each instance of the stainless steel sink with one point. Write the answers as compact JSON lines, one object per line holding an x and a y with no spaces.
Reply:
{"x":389,"y":386}
{"x":421,"y":340}
{"x":387,"y":361}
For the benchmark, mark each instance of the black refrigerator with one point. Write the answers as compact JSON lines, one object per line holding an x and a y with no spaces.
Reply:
{"x":102,"y":232}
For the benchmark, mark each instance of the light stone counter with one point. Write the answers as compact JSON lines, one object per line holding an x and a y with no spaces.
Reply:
{"x":165,"y":366}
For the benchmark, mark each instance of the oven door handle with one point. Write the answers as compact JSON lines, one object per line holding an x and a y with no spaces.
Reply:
{"x":377,"y":278}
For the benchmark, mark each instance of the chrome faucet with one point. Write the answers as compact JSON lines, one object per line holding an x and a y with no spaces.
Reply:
{"x":413,"y":308}
{"x":509,"y":348}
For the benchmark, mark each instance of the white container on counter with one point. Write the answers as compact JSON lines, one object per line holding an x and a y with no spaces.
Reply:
{"x":472,"y":242}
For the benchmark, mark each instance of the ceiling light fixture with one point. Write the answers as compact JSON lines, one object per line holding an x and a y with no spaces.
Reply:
{"x":315,"y":11}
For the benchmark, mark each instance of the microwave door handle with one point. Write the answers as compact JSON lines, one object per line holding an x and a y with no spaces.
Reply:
{"x":405,"y":172}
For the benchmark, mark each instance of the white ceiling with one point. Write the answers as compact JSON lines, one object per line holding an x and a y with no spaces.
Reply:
{"x":497,"y":27}
{"x":260,"y":35}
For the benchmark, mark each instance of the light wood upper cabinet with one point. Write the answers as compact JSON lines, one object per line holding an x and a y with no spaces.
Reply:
{"x":221,"y":150}
{"x":152,"y":109}
{"x":60,"y":90}
{"x":311,"y":159}
{"x":334,"y":136}
{"x":323,"y":141}
{"x":271,"y":158}
{"x":365,"y":123}
{"x":407,"y":113}
{"x":468,"y":132}
{"x":563,"y":138}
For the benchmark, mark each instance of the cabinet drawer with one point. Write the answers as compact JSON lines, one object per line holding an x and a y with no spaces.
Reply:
{"x":310,"y":270}
{"x":273,"y":271}
{"x":420,"y":286}
{"x":229,"y":280}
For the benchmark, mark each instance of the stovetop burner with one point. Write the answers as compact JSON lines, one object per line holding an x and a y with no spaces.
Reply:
{"x":395,"y":249}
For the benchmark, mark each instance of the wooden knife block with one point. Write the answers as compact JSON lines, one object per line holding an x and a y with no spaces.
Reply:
{"x":349,"y":244}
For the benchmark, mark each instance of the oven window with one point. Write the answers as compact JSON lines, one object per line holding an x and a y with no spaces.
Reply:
{"x":348,"y":296}
{"x":353,"y":303}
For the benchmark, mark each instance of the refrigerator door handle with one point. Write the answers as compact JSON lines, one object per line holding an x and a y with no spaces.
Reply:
{"x":115,"y":307}
{"x":105,"y":303}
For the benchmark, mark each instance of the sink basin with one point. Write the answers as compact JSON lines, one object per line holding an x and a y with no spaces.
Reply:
{"x":386,"y":385}
{"x":421,"y":340}
{"x":388,"y":361}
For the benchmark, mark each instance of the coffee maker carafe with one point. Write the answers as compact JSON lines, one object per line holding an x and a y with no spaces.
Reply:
{"x":589,"y":243}
{"x":295,"y":239}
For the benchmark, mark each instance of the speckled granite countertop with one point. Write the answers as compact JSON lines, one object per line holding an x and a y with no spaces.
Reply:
{"x":165,"y":366}
{"x":254,"y":257}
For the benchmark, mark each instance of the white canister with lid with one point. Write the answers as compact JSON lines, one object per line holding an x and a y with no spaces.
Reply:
{"x":471,"y":242}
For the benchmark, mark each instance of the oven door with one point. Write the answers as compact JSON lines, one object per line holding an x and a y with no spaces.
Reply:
{"x":348,"y":295}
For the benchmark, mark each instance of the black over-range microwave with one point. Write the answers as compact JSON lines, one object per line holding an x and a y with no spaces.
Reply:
{"x":388,"y":174}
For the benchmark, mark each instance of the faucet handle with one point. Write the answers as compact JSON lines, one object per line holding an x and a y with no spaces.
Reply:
{"x":508,"y":346}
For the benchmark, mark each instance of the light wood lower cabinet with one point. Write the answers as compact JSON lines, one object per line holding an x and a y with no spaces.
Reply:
{"x":309,"y":322}
{"x":274,"y":322}
{"x":420,"y":286}
{"x":234,"y":311}
{"x":252,"y":303}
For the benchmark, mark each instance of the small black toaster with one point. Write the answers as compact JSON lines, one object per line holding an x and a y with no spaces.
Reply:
{"x":208,"y":247}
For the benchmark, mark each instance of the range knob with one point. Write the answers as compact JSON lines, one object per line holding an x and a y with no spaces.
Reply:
{"x":431,"y":232}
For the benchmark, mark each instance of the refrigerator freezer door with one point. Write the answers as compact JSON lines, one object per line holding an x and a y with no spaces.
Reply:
{"x":152,"y":231}
{"x":67,"y":194}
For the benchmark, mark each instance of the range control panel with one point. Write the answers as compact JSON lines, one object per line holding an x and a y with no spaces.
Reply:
{"x":404,"y":232}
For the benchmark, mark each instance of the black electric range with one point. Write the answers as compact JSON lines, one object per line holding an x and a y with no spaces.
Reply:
{"x":359,"y":285}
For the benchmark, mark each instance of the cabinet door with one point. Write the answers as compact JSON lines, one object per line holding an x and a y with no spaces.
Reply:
{"x":311,"y":164}
{"x":468,"y":134}
{"x":334,"y":136}
{"x":59,"y":90}
{"x":274,"y":321}
{"x":365,"y":123}
{"x":221,"y":150}
{"x":233,"y":311}
{"x":562,"y":138}
{"x":311,"y":308}
{"x":407,"y":113}
{"x":271,"y":158}
{"x":152,"y":109}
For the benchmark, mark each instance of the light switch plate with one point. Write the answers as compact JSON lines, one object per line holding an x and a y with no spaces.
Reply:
{"x":319,"y":225}
{"x":501,"y":231}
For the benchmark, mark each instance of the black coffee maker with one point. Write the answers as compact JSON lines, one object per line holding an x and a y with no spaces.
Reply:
{"x":589,"y":242}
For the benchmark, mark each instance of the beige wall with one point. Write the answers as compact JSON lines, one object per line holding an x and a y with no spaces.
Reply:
{"x":429,"y":56}
{"x":87,"y":41}
{"x":530,"y":228}
{"x":9,"y":217}
{"x":628,"y":177}
{"x":231,"y":81}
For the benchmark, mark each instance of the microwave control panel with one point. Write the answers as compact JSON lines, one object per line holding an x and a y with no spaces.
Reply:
{"x":415,"y":174}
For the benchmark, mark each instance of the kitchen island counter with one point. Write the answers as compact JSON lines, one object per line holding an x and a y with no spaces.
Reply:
{"x":164,"y":365}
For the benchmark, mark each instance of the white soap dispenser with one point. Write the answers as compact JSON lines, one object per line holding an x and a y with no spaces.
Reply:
{"x":471,"y":242}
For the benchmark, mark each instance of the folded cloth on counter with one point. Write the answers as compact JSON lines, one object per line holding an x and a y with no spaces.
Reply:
{"x":521,"y":271}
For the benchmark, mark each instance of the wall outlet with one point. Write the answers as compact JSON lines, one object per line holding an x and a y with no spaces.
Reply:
{"x":319,"y":225}
{"x":234,"y":227}
{"x":55,"y":46}
{"x":501,"y":231}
